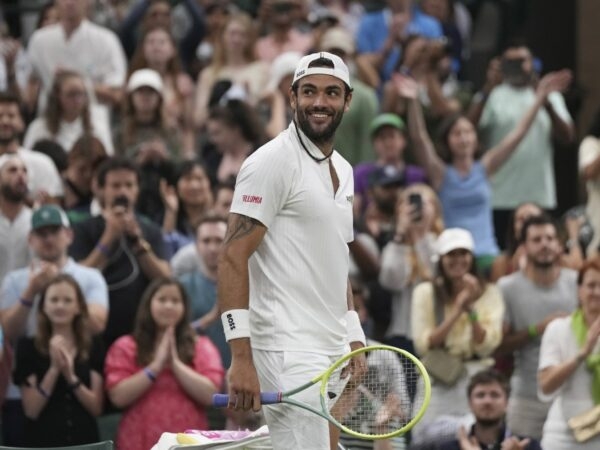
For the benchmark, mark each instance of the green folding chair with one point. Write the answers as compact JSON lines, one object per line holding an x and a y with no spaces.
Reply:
{"x":104,"y":445}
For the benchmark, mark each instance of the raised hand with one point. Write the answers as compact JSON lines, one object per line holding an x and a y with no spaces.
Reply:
{"x":162,"y":354}
{"x":592,"y":337}
{"x":554,"y":81}
{"x":67,"y":368}
{"x":169,"y":197}
{"x":514,"y":443}
{"x":40,"y":276}
{"x":406,"y":86}
{"x":467,"y":442}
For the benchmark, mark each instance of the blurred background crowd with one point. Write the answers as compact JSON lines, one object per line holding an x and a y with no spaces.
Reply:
{"x":123,"y":125}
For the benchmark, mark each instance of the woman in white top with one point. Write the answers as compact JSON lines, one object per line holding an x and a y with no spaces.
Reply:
{"x":68,"y":115}
{"x":569,"y":368}
{"x":408,"y":259}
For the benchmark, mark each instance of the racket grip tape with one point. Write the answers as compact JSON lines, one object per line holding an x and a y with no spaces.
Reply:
{"x":266,"y":398}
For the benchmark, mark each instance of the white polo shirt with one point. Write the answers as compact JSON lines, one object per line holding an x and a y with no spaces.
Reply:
{"x":299,"y":273}
{"x":91,"y":50}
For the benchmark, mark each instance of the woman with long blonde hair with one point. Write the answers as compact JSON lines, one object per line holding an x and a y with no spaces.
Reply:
{"x":408,"y":259}
{"x":68,"y":115}
{"x":234,"y":60}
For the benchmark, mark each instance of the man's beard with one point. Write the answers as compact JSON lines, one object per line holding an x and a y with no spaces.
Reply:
{"x":319,"y":137}
{"x":13,"y":195}
{"x":8,"y":138}
{"x":545,"y":264}
{"x":489,"y":423}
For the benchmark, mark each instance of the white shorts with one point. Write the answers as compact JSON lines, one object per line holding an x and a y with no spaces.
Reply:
{"x":291,"y":427}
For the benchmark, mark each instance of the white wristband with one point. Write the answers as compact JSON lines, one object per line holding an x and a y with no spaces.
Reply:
{"x":354,"y":328}
{"x":236,"y":324}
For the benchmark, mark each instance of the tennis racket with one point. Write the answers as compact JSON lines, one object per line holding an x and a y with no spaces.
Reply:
{"x":376,"y":406}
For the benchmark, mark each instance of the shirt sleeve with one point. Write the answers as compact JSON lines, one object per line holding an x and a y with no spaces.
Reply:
{"x":96,"y":288}
{"x":207,"y":361}
{"x":490,"y":309}
{"x":589,"y":150}
{"x":9,"y":292}
{"x":552,"y":352}
{"x":560,"y":107}
{"x":423,"y":316}
{"x":263,"y":184}
{"x":120,"y":361}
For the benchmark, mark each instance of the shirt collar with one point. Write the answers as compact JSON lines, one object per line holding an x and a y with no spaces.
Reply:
{"x":309,"y":146}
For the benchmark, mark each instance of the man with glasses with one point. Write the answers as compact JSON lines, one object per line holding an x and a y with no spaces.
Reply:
{"x":49,"y":239}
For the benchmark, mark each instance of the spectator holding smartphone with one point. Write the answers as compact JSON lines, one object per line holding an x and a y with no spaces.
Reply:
{"x":529,"y":175}
{"x":407,"y":260}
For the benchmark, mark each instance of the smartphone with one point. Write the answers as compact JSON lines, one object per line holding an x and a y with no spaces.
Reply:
{"x":416,"y":201}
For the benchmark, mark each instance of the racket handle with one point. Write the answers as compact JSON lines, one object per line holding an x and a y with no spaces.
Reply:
{"x":266,"y":398}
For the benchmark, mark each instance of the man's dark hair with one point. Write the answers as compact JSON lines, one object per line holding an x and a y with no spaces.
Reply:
{"x":54,"y":151}
{"x":113,"y":164}
{"x":322,"y":62}
{"x":516,"y":42}
{"x":11,"y":98}
{"x":535,"y":221}
{"x":488,"y":376}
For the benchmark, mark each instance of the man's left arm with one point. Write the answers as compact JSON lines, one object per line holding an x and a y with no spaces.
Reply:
{"x":149,"y":250}
{"x":562,"y":127}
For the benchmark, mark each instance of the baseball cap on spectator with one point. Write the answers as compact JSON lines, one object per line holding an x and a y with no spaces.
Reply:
{"x":6,"y":157}
{"x":49,"y":216}
{"x":145,"y":77}
{"x":386,"y":176}
{"x":337,"y":38}
{"x":339,"y":69}
{"x":454,"y":239}
{"x":386,"y":120}
{"x":284,"y":64}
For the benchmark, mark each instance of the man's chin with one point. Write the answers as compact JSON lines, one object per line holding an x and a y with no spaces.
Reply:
{"x":489,"y":422}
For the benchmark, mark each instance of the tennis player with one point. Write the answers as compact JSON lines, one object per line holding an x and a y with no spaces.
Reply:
{"x":283,"y":284}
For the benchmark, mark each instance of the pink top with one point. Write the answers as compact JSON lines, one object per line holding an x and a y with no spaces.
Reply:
{"x":165,"y":406}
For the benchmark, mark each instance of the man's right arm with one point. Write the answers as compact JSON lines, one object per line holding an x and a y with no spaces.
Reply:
{"x":244,"y":235}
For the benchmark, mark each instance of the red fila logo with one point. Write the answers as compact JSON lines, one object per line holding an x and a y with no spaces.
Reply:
{"x":252,"y":199}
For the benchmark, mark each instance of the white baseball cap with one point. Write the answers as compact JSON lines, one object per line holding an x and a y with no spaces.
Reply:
{"x":284,"y":64}
{"x":453,"y":239}
{"x":145,"y":77}
{"x":339,"y":70}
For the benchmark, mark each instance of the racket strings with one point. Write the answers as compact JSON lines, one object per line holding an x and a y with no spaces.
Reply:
{"x":384,"y":400}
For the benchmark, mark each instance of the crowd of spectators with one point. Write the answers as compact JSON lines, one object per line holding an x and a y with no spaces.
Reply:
{"x":123,"y":125}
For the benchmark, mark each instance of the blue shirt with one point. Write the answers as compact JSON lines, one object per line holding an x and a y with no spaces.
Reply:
{"x":90,"y":280}
{"x":466,"y":203}
{"x":203,"y":296}
{"x":374,"y":28}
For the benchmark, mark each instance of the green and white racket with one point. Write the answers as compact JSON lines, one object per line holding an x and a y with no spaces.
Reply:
{"x":376,"y":406}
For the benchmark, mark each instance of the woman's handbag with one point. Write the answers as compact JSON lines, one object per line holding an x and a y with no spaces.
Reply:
{"x":443,"y":366}
{"x":585,"y":425}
